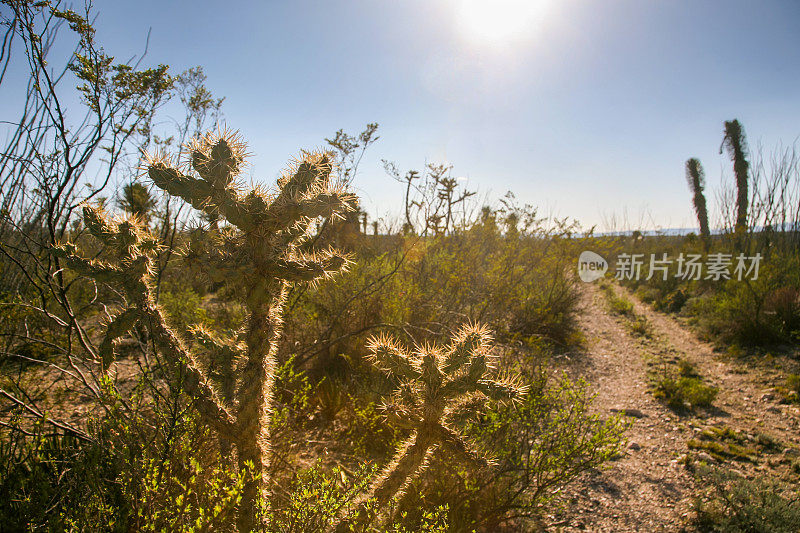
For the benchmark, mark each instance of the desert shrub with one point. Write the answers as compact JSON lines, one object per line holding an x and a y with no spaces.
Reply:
{"x":674,"y":301}
{"x":126,"y":477}
{"x":685,"y":392}
{"x":318,"y":497}
{"x":746,"y":312}
{"x":422,"y":288}
{"x":793,"y":387}
{"x":733,"y":503}
{"x":619,"y":305}
{"x":783,"y":305}
{"x":184,"y":307}
{"x":686,"y":368}
{"x":723,"y":443}
{"x":640,"y":326}
{"x":314,"y":500}
{"x":539,"y":446}
{"x":50,"y":480}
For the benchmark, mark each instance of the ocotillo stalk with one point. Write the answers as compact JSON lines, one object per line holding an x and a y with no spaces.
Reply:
{"x":430,"y":382}
{"x":695,"y":177}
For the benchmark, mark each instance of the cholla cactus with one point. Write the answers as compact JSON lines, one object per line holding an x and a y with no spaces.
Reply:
{"x":135,"y":251}
{"x":258,"y":254}
{"x":430,"y":383}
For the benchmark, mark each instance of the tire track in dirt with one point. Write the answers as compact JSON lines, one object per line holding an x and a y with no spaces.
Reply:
{"x":746,"y":401}
{"x":648,"y":489}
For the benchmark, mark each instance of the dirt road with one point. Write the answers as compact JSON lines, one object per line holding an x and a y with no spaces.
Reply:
{"x":649,"y":488}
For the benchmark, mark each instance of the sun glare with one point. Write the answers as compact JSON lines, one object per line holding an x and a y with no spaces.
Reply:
{"x":500,"y":23}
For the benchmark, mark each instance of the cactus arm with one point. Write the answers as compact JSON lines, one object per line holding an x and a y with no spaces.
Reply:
{"x":119,"y":326}
{"x":199,"y":193}
{"x":458,"y":446}
{"x":315,"y":170}
{"x":501,"y":389}
{"x":289,"y":211}
{"x":430,"y":373}
{"x":98,"y":270}
{"x":96,"y":222}
{"x":306,"y":268}
{"x":395,"y":476}
{"x":211,"y":261}
{"x":224,"y":348}
{"x":398,"y":413}
{"x":224,"y":354}
{"x":388,"y":357}
{"x":195,"y":382}
{"x":467,"y":341}
{"x":458,"y":386}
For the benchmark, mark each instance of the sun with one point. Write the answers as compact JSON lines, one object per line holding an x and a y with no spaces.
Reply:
{"x":499,"y":23}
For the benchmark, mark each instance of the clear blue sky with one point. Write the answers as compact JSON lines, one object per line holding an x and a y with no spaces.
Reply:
{"x":585,"y":108}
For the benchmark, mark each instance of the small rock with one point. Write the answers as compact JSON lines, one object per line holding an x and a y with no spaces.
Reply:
{"x":767,"y":397}
{"x":633,"y":446}
{"x":703,"y":456}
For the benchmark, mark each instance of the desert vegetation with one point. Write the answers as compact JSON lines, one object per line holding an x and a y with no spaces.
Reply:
{"x":305,"y":375}
{"x":186,"y":347}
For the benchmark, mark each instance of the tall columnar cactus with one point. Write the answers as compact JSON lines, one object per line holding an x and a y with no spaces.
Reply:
{"x":695,"y":177}
{"x":736,"y":144}
{"x":430,"y":383}
{"x":259,"y":256}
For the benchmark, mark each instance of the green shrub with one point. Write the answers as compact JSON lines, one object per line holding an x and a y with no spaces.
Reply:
{"x":619,"y":305}
{"x":686,"y":368}
{"x":127,"y":478}
{"x":423,"y":288}
{"x":640,"y":326}
{"x":319,"y":497}
{"x":732,"y":503}
{"x":540,"y":445}
{"x":793,"y":388}
{"x":184,"y":307}
{"x":685,"y":392}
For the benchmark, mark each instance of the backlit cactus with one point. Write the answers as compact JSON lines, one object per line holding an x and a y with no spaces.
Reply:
{"x":134,"y":251}
{"x":430,"y":383}
{"x":257,"y":254}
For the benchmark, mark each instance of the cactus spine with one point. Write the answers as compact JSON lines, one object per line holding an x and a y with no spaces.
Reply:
{"x":429,"y":383}
{"x":257,"y":254}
